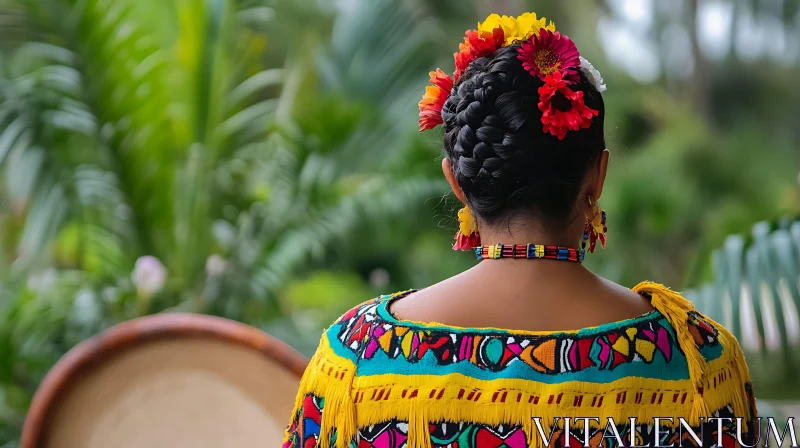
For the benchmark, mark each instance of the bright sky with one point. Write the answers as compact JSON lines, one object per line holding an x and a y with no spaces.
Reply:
{"x":627,"y":36}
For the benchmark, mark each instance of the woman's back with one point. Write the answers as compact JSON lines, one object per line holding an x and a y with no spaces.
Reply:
{"x":378,"y":381}
{"x":525,"y":153}
{"x":540,"y":297}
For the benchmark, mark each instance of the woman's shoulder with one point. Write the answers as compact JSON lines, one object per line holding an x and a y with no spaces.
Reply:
{"x":350,"y":334}
{"x":370,"y":327}
{"x":380,"y":343}
{"x":673,"y":359}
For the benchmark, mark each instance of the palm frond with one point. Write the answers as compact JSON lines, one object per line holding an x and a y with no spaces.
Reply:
{"x":375,"y":200}
{"x":756,"y":294}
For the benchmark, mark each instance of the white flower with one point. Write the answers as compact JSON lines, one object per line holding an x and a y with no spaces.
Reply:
{"x":592,"y":75}
{"x":85,"y":310}
{"x":215,"y":265}
{"x":110,"y":294}
{"x":379,"y":278}
{"x":44,"y":281}
{"x":149,"y":275}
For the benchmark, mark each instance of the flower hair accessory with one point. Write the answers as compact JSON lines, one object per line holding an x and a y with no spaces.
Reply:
{"x":562,"y":108}
{"x":550,"y":53}
{"x":430,"y":108}
{"x":592,"y":75}
{"x":544,"y":52}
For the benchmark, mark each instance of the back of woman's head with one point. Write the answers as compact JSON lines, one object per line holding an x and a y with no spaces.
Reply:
{"x":504,"y":159}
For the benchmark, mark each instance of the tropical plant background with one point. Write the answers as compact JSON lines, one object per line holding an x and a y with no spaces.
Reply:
{"x":260,"y":160}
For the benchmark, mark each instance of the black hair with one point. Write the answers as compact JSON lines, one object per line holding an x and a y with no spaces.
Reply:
{"x":502,"y":159}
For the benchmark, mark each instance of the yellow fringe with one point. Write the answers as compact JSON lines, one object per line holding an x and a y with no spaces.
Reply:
{"x":353,"y":402}
{"x":676,"y":308}
{"x":330,"y":377}
{"x":730,"y":345}
{"x":457,"y":397}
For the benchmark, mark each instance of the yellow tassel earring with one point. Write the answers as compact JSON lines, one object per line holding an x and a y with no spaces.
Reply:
{"x":595,"y":228}
{"x":467,"y":236}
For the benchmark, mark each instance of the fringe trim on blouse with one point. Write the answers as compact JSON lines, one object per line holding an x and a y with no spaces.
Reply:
{"x":353,"y":402}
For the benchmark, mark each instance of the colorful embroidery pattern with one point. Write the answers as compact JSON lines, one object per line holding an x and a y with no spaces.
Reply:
{"x":389,"y":383}
{"x":443,"y":435}
{"x":305,"y":427}
{"x":365,"y":333}
{"x":304,"y":430}
{"x":394,"y":434}
{"x":386,"y":435}
{"x":702,"y":331}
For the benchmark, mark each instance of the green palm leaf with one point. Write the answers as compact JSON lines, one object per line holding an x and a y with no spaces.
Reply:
{"x":756,"y":293}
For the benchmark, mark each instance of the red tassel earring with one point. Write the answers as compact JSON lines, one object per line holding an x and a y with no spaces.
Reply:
{"x":595,"y":228}
{"x":467,"y":236}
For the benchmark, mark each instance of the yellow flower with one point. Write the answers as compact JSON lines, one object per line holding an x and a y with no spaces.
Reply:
{"x":467,"y":224}
{"x":518,"y":29}
{"x":597,"y":223}
{"x":529,"y":25}
{"x":509,"y":25}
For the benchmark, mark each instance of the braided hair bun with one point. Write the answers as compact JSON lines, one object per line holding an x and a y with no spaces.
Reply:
{"x":503,"y":160}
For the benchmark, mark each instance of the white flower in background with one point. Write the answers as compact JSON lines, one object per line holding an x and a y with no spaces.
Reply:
{"x":215,"y":265}
{"x":43,"y":281}
{"x":85,"y":310}
{"x":592,"y":75}
{"x":149,"y":275}
{"x":379,"y":278}
{"x":110,"y":294}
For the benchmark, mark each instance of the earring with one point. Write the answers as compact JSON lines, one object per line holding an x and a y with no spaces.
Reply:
{"x":467,"y":236}
{"x":595,"y":228}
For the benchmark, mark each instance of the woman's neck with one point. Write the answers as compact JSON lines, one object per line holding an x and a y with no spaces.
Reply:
{"x":568,"y":236}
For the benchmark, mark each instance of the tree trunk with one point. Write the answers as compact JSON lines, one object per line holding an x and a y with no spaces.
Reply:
{"x":700,"y":77}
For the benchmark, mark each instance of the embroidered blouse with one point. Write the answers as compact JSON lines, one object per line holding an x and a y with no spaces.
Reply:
{"x":377,"y":381}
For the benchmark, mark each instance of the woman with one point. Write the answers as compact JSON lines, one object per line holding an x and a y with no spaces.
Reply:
{"x":504,"y":353}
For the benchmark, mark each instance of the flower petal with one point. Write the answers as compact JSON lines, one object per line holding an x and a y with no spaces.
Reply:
{"x":555,"y":121}
{"x":549,"y":52}
{"x":430,"y":107}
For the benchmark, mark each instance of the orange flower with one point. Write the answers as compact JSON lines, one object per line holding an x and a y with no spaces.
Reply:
{"x":477,"y":45}
{"x":430,"y":108}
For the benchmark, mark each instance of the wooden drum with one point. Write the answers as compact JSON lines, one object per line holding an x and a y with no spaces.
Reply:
{"x":169,"y":380}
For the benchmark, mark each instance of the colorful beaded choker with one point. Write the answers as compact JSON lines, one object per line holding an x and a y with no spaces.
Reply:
{"x":529,"y":251}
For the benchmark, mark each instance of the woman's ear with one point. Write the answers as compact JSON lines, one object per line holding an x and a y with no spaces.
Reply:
{"x":602,"y":170}
{"x":447,"y":169}
{"x":594,"y":188}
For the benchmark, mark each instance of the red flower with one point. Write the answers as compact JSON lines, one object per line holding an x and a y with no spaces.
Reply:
{"x":548,"y":53}
{"x":562,"y":108}
{"x":477,"y":45}
{"x":430,"y":108}
{"x":467,"y":242}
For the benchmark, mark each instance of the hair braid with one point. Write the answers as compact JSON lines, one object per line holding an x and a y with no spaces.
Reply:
{"x":502,"y":159}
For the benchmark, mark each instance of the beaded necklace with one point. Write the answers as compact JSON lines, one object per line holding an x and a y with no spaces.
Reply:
{"x":498,"y":251}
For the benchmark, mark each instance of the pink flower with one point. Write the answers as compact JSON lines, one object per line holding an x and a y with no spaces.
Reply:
{"x":149,"y":275}
{"x":548,"y":53}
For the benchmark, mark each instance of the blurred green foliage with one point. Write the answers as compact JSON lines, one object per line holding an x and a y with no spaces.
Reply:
{"x":265,"y":154}
{"x":756,"y":295}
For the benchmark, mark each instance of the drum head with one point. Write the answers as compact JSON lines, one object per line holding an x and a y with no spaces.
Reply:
{"x":168,"y":381}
